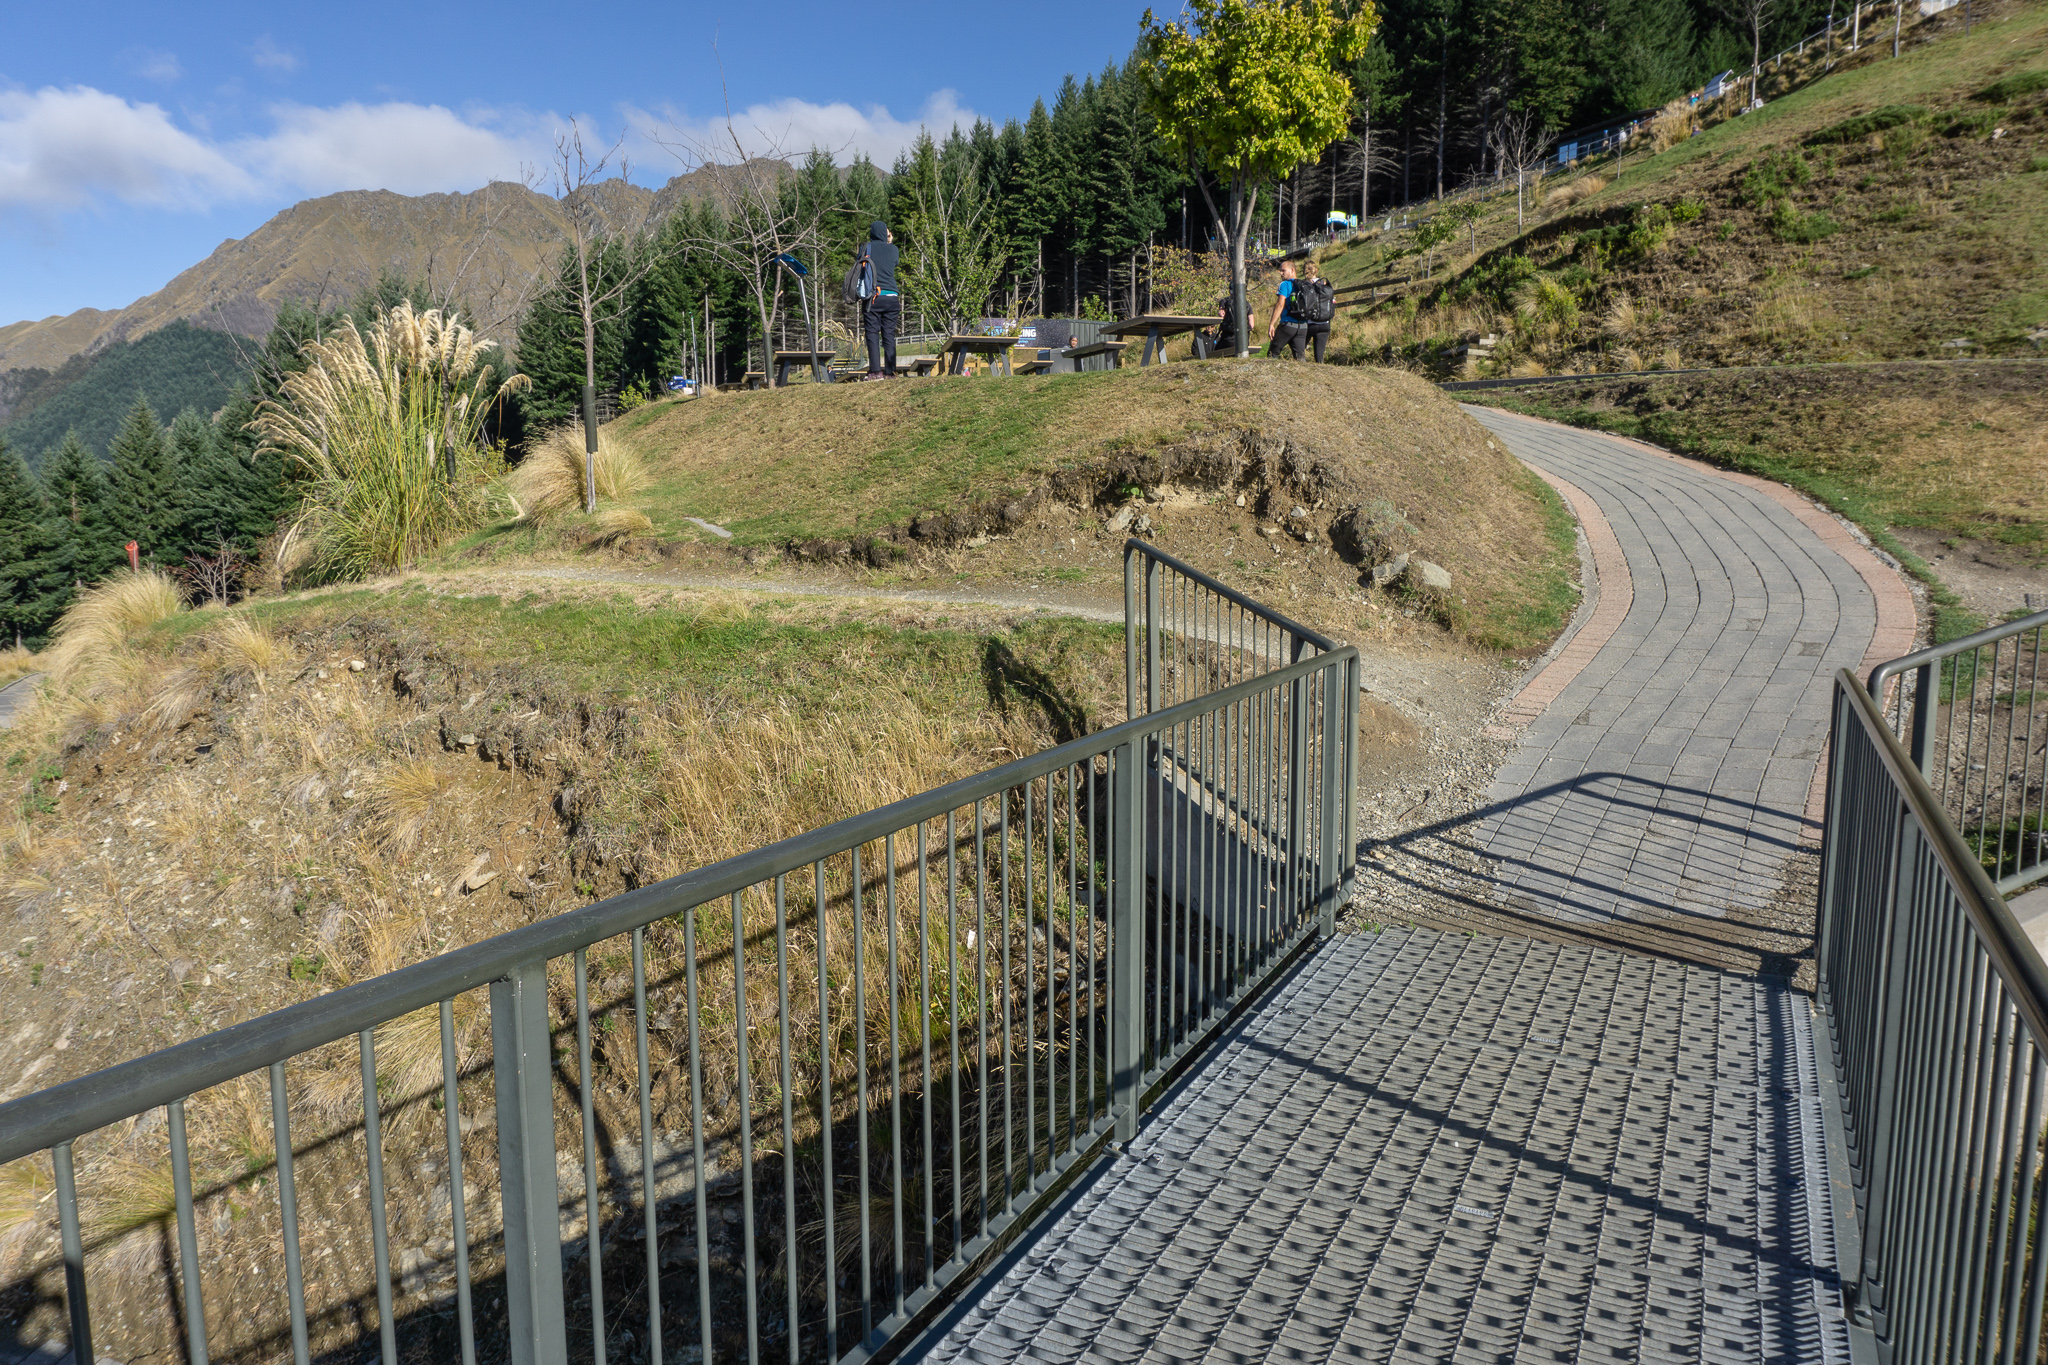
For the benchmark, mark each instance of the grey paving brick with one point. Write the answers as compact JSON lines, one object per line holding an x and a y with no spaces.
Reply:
{"x":1589,"y":1196}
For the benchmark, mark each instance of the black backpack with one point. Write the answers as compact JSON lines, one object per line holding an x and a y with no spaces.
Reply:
{"x":860,"y":280}
{"x":1312,"y":301}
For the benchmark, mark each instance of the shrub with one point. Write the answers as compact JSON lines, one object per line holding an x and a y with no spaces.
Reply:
{"x":389,"y":432}
{"x":1788,"y":224}
{"x":1773,"y":176}
{"x":551,"y":477}
{"x":1863,"y":125}
{"x":2013,"y":86}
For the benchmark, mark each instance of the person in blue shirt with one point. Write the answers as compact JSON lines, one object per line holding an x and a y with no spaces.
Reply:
{"x":1280,"y":335}
{"x":883,"y":316}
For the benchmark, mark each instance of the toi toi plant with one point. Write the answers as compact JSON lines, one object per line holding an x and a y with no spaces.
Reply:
{"x":389,"y":429}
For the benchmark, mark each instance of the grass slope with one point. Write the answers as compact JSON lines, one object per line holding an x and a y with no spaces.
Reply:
{"x":1794,"y":233}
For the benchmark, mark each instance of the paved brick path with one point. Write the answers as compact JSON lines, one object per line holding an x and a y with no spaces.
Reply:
{"x":1669,"y":757}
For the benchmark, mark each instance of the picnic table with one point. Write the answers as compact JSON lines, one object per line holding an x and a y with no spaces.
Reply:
{"x":753,"y":379}
{"x":1113,"y":349}
{"x":918,"y":366}
{"x":1038,"y":364}
{"x":1159,"y":328}
{"x":958,"y":348}
{"x":818,"y":361}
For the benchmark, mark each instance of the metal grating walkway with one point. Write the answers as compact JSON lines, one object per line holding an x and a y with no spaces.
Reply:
{"x":1433,"y":1147}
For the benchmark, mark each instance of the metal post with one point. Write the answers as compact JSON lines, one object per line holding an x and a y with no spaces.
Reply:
{"x":523,"y":1064}
{"x":1130,"y":638}
{"x":74,"y":1256}
{"x":1127,"y":941}
{"x":1925,"y":700}
{"x":1297,"y":790}
{"x":1331,"y":860}
{"x":1871,"y":1307}
{"x":1151,"y":634}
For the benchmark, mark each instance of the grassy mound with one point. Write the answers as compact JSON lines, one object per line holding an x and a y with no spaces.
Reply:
{"x":1353,"y":464}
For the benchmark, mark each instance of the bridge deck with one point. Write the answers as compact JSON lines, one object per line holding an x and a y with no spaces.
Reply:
{"x":1433,"y":1147}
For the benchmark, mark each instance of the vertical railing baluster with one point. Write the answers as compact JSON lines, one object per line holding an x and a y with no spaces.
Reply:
{"x":288,"y":1217}
{"x":1029,"y":993}
{"x":787,"y":1076}
{"x":76,"y":1304}
{"x":648,"y":1197}
{"x":746,"y":1123}
{"x":586,"y":1083}
{"x":864,"y":1107}
{"x":1009,"y":990}
{"x":954,"y":1063}
{"x":1127,"y":944}
{"x":895,"y":1076}
{"x":451,"y":1113}
{"x":825,"y":1123}
{"x":523,"y":1070}
{"x":699,"y":1170}
{"x":924,"y":1044}
{"x":981,"y":991}
{"x":188,"y":1238}
{"x":380,"y":1236}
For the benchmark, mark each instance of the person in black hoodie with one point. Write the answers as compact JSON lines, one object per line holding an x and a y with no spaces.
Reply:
{"x":884,"y":313}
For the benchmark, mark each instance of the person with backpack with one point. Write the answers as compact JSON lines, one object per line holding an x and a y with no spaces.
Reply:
{"x":1315,"y":303}
{"x":1223,"y":341}
{"x":882,"y":308}
{"x":1306,"y":307}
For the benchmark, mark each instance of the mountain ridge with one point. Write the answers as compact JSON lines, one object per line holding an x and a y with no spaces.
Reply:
{"x":484,"y":248}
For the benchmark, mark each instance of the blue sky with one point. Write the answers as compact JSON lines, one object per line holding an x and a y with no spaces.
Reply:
{"x":134,"y":139}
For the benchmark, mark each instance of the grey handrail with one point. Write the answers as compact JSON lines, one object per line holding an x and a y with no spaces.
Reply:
{"x":1983,"y":769}
{"x":1937,"y":1013}
{"x":38,"y":1121}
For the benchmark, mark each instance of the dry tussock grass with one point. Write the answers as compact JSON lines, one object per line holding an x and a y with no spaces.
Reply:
{"x":406,"y":796}
{"x":551,"y":478}
{"x":24,"y":1185}
{"x":16,"y":662}
{"x":241,"y":645}
{"x":615,"y":524}
{"x":95,"y":631}
{"x":1671,"y":126}
{"x":1574,"y":192}
{"x":1620,"y":320}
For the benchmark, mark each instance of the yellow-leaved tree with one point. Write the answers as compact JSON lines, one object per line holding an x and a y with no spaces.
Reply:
{"x":1250,"y":89}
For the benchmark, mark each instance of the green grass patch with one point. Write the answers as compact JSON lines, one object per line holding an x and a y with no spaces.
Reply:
{"x":792,"y":654}
{"x":2013,"y":87}
{"x":1863,"y":125}
{"x":1519,"y":622}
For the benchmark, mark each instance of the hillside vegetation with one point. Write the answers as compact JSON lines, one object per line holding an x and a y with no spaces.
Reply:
{"x":177,"y":367}
{"x":1894,"y":208}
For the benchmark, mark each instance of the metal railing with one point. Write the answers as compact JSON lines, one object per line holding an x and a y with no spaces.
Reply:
{"x":1973,"y":714}
{"x":1937,"y":1011}
{"x":780,"y":1104}
{"x":1187,"y":635}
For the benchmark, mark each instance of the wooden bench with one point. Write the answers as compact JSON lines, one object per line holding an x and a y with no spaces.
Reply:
{"x":917,"y":366}
{"x":1039,"y":364}
{"x":996,"y":349}
{"x":1113,"y":349}
{"x":753,"y":379}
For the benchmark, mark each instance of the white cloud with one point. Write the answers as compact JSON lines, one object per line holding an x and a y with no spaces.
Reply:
{"x":791,"y":127}
{"x":64,"y":149}
{"x":268,"y":56}
{"x":77,"y":147}
{"x":153,"y":65}
{"x":409,"y":148}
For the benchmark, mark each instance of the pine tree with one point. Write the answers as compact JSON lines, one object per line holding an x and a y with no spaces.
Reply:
{"x":143,"y":500}
{"x":32,"y":591}
{"x":86,"y":549}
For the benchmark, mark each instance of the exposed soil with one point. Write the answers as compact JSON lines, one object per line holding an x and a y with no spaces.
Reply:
{"x":1992,"y":580}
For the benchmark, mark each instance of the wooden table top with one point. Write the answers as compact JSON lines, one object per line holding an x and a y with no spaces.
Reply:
{"x":1165,"y":322}
{"x":974,"y":343}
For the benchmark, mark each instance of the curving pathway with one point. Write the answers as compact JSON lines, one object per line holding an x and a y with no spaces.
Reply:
{"x":1668,"y":756}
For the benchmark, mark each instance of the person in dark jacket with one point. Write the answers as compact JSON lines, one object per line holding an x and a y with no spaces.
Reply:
{"x":884,"y":312}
